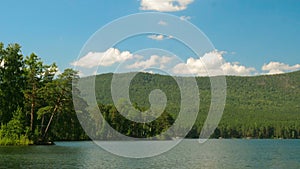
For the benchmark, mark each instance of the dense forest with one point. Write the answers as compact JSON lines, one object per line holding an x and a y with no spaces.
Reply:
{"x":266,"y":106}
{"x":36,"y":103}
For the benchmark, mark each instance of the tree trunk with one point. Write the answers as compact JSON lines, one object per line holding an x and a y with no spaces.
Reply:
{"x":32,"y":116}
{"x":42,"y":124}
{"x":48,"y":125}
{"x":52,"y":115}
{"x":32,"y":108}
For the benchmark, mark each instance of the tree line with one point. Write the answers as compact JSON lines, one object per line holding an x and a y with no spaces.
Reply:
{"x":256,"y":107}
{"x":35,"y":100}
{"x":130,"y":128}
{"x":36,"y":104}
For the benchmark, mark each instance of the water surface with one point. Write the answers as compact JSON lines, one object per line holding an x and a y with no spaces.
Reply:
{"x":231,"y":153}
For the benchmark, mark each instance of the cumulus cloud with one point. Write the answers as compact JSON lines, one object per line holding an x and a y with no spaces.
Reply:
{"x":212,"y":64}
{"x":159,"y":37}
{"x":237,"y":69}
{"x":162,"y":23}
{"x":277,"y":68}
{"x":107,"y":58}
{"x":165,"y":5}
{"x":184,"y":18}
{"x":154,"y":60}
{"x":156,"y":37}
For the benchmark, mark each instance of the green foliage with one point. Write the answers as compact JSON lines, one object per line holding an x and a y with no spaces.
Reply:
{"x":36,"y":105}
{"x":14,"y":132}
{"x":262,"y":107}
{"x":11,"y":81}
{"x":58,"y":97}
{"x":34,"y":70}
{"x":257,"y":107}
{"x":128,"y":127}
{"x":45,"y":102}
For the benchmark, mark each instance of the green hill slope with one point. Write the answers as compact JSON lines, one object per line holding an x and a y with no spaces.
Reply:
{"x":265,"y":106}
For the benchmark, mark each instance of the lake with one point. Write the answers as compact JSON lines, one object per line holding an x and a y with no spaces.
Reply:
{"x":223,"y":153}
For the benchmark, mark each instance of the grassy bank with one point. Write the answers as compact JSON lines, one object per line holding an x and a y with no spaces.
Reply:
{"x":22,"y":140}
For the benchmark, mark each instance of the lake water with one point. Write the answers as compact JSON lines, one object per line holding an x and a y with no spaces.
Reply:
{"x":223,"y":153}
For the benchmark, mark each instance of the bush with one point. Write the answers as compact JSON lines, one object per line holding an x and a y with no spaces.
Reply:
{"x":13,"y":133}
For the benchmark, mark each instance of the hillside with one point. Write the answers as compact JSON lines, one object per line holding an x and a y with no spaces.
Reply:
{"x":264,"y":106}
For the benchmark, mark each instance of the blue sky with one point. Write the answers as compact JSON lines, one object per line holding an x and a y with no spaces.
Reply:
{"x":252,"y":32}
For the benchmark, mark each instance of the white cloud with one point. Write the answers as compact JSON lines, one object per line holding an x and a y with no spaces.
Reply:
{"x":156,"y":37}
{"x":184,"y":18}
{"x":159,"y":37}
{"x":107,"y":58}
{"x":154,"y":60}
{"x":148,"y":71}
{"x":236,"y":69}
{"x":165,"y":5}
{"x":212,"y":64}
{"x":162,"y":23}
{"x":277,"y":68}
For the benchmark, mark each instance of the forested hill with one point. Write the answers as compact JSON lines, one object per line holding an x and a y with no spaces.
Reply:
{"x":266,"y":106}
{"x":36,"y":104}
